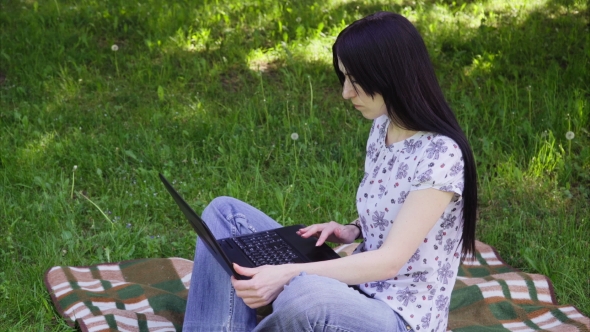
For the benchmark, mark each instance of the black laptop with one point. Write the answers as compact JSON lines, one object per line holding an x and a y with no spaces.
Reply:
{"x":271,"y":247}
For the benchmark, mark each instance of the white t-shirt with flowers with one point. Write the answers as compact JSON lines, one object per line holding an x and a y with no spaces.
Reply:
{"x":421,"y":291}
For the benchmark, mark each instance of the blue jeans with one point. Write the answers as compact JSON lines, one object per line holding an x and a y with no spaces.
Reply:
{"x":307,"y":303}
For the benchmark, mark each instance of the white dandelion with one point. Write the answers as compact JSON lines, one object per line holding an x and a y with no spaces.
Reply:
{"x":114,"y":48}
{"x":294,"y":136}
{"x":570,"y":135}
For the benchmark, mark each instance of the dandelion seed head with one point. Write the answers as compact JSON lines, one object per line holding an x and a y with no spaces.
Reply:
{"x":114,"y":48}
{"x":570,"y":135}
{"x":294,"y":136}
{"x":75,"y":168}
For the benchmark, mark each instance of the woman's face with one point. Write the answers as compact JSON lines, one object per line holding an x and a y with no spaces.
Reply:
{"x":370,"y":107}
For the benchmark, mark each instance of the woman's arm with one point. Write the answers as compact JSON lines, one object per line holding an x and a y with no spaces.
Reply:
{"x":420,"y":212}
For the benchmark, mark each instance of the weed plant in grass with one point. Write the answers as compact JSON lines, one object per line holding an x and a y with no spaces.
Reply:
{"x":239,"y":98}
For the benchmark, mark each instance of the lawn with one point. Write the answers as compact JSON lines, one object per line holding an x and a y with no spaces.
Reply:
{"x":239,"y":98}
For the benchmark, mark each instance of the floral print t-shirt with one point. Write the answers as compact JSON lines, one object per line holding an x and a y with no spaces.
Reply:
{"x":421,"y":291}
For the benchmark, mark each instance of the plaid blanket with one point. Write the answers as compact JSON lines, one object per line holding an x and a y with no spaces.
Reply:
{"x":150,"y":295}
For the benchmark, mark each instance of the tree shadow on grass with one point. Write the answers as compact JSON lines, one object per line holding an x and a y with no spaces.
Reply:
{"x":525,"y":78}
{"x":175,"y":54}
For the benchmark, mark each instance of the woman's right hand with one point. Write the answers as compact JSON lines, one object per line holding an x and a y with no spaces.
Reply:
{"x":331,"y":232}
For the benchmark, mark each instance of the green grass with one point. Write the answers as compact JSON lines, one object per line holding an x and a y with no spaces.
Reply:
{"x":209,"y":93}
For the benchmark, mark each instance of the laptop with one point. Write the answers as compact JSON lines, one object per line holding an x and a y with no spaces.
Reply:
{"x":272,"y":247}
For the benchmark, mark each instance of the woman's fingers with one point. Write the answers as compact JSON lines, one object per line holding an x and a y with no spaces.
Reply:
{"x":254,"y":303}
{"x":245,"y":271}
{"x":310,"y":231}
{"x":251,"y":298}
{"x":328,"y":233}
{"x":266,"y":283}
{"x":331,"y":231}
{"x":321,"y":239}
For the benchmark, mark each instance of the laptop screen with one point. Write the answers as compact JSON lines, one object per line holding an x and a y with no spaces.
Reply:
{"x":199,"y":225}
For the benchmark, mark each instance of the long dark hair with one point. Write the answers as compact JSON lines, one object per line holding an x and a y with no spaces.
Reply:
{"x":386,"y":55}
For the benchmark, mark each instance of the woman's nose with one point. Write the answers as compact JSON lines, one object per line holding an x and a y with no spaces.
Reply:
{"x":348,"y":90}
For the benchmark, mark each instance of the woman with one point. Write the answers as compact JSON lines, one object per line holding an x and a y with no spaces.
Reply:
{"x":416,"y":206}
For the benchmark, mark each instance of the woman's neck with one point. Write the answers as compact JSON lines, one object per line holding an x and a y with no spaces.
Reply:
{"x":397,"y":134}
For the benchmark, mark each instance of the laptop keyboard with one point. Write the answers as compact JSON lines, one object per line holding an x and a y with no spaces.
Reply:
{"x":266,"y":248}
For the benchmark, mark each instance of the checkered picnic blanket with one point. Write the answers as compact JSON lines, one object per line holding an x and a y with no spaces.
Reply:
{"x":150,"y":295}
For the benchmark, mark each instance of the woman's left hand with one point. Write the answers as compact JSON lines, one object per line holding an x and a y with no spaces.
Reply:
{"x":265,"y":285}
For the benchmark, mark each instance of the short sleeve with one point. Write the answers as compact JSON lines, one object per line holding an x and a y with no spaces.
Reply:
{"x":441,"y":167}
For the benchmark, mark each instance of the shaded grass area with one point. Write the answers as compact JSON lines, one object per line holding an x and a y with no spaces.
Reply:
{"x":209,"y":93}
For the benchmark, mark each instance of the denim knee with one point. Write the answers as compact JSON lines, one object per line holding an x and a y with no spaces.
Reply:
{"x":310,"y":298}
{"x":220,"y":202}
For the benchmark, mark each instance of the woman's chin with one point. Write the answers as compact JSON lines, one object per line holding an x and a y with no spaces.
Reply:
{"x":370,"y":116}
